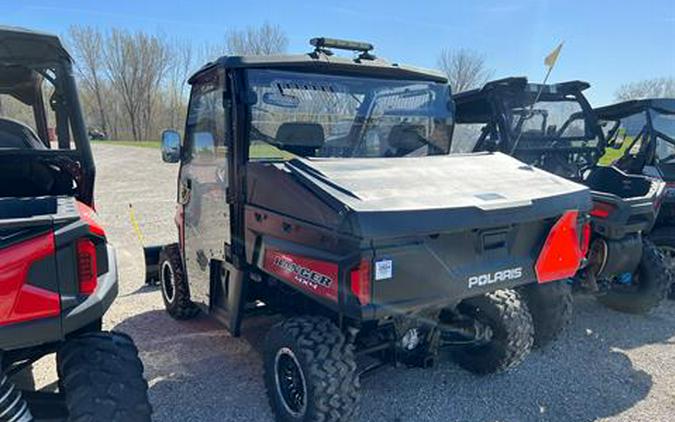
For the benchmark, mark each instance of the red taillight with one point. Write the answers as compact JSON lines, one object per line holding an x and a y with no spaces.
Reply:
{"x":602,"y":209}
{"x":89,"y":217}
{"x":86,"y":266}
{"x":561,"y":255}
{"x":360,"y":282}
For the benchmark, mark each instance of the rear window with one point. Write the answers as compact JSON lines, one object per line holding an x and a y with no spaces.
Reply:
{"x":319,"y":115}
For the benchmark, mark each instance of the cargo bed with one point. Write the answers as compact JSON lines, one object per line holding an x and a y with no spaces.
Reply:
{"x":407,"y":196}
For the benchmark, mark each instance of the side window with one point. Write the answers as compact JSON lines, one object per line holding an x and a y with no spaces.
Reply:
{"x":205,"y":129}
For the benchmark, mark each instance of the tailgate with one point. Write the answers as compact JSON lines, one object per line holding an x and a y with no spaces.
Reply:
{"x":449,"y":267}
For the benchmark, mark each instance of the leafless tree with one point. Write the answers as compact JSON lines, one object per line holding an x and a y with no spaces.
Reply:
{"x":465,"y":69}
{"x":87,"y":46}
{"x":265,"y":39}
{"x":133,"y":84}
{"x":648,"y":88}
{"x":136,"y":64}
{"x":181,"y":58}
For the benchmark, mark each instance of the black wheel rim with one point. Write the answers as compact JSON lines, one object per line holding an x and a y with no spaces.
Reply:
{"x":168,"y":282}
{"x":290,"y":381}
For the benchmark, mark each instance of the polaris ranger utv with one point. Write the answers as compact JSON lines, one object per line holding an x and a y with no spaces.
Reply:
{"x":554,"y":128}
{"x":317,"y":186}
{"x":641,"y":140}
{"x":58,"y":274}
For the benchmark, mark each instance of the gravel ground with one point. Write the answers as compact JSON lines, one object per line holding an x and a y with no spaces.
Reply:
{"x":607,"y":366}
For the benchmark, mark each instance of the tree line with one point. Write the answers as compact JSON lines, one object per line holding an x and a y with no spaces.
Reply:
{"x":133,"y":84}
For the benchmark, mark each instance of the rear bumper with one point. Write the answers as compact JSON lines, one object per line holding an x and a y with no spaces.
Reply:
{"x":50,"y":330}
{"x":96,"y":305}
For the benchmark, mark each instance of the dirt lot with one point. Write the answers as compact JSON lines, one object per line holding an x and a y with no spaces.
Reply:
{"x":608,"y":366}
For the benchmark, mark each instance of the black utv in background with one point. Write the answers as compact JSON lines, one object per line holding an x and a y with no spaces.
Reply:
{"x":641,"y":140}
{"x":58,"y":274}
{"x":320,"y":187}
{"x":554,"y":128}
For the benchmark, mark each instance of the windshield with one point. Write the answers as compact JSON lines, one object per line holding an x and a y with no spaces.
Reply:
{"x":663,"y":122}
{"x":560,"y":121}
{"x":553,"y":131}
{"x":312,"y":115}
{"x":624,"y":136}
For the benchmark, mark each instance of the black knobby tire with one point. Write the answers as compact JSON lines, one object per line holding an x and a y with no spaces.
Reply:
{"x":174,"y":284}
{"x":102,"y":379}
{"x":512,"y":332}
{"x":551,"y":306}
{"x":309,"y":358}
{"x":664,"y":239}
{"x":651,"y":284}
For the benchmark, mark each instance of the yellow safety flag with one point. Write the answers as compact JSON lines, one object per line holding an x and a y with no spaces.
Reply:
{"x":553,"y":56}
{"x":134,"y":224}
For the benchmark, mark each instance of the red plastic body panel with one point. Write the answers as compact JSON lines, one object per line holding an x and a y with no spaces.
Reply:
{"x":311,"y":275}
{"x":562,"y":253}
{"x":89,"y":217}
{"x":20,"y":301}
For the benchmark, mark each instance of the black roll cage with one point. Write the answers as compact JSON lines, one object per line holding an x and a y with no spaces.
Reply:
{"x":69,"y":118}
{"x":493,"y":110}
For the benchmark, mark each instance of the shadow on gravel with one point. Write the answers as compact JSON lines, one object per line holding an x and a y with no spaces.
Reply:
{"x":198,"y":372}
{"x":143,"y":289}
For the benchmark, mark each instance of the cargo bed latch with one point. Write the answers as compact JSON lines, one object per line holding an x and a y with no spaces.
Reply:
{"x":493,"y":240}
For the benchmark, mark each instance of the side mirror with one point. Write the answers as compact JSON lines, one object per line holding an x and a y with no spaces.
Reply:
{"x":170,"y":146}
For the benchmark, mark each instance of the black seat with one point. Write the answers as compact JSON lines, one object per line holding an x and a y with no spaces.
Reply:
{"x":16,"y":135}
{"x":405,"y":138}
{"x":300,"y":138}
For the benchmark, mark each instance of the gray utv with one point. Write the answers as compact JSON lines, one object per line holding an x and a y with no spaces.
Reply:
{"x":320,"y":188}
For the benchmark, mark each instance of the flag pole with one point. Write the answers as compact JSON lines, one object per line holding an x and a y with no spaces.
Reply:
{"x":553,"y":59}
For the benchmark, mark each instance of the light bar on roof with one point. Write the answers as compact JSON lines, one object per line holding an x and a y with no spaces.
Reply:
{"x":322,"y":42}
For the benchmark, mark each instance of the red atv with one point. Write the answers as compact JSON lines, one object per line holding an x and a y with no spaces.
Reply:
{"x":58,"y":274}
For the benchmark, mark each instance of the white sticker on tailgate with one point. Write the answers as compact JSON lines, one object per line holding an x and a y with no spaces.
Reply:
{"x":384,"y":269}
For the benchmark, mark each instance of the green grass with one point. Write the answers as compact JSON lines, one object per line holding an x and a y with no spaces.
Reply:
{"x":140,"y":144}
{"x":259,"y":150}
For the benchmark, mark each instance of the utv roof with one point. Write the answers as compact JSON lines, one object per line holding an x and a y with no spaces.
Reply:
{"x":19,"y":45}
{"x":473,"y":106}
{"x":626,"y":108}
{"x":319,"y":61}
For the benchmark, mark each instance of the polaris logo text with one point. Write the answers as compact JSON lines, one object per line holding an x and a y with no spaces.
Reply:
{"x":491,"y":278}
{"x":302,"y":274}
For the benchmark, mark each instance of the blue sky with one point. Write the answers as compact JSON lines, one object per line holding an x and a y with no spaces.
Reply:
{"x":606,"y":42}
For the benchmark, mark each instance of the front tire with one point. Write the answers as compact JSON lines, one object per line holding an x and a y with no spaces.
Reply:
{"x":310,"y":371}
{"x":513,"y":332}
{"x":551,"y":306}
{"x":651,"y":283}
{"x":174,"y":284}
{"x":102,"y":379}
